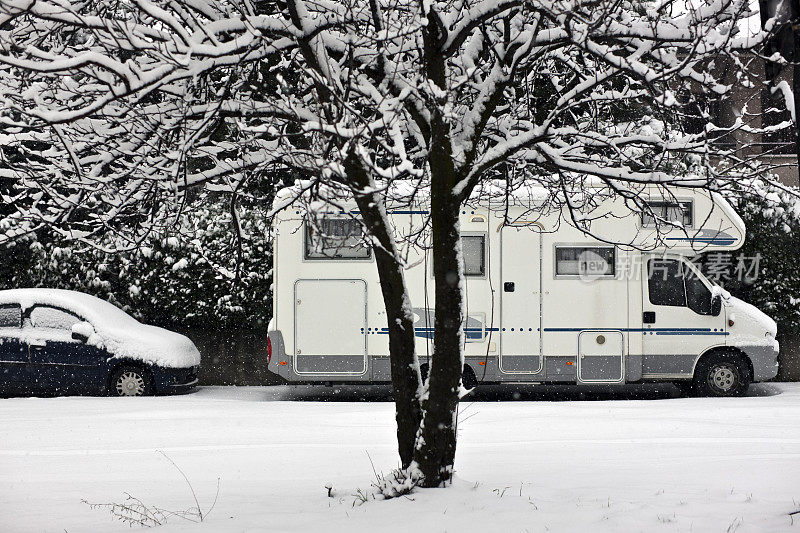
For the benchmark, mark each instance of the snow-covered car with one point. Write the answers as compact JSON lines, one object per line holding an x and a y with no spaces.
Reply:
{"x":64,"y":341}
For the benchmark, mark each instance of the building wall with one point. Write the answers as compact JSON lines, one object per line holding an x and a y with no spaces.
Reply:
{"x":785,"y":166}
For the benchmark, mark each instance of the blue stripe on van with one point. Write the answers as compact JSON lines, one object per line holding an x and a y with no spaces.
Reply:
{"x":680,"y":331}
{"x":630,"y":329}
{"x":721,"y":241}
{"x":477,"y":333}
{"x":657,"y":331}
{"x":472,"y":333}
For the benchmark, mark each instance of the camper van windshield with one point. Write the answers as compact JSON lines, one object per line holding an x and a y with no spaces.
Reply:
{"x":335,"y":238}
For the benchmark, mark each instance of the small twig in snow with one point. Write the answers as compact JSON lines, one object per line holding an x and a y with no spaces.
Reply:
{"x":196,"y":503}
{"x":373,"y":466}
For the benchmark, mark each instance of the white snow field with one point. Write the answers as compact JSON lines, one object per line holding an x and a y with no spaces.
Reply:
{"x":603,"y":462}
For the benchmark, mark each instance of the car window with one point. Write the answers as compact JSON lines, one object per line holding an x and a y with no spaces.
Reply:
{"x":671,"y":283}
{"x":44,"y":316}
{"x":678,"y":212}
{"x":10,"y":316}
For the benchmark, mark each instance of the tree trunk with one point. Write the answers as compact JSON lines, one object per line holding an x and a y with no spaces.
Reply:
{"x":436,"y":448}
{"x":406,"y":380}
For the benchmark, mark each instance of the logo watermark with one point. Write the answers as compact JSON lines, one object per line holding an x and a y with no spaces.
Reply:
{"x":591,"y":265}
{"x":718,"y":267}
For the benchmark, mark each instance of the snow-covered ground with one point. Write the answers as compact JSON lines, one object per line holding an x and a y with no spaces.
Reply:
{"x":646,"y":460}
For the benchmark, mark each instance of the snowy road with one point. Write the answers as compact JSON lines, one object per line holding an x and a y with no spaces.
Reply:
{"x":603,"y":462}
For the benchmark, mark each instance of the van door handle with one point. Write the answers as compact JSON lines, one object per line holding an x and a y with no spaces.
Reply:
{"x":649,"y":317}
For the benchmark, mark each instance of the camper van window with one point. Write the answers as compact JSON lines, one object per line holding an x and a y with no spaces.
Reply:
{"x":670,"y":282}
{"x":335,"y":238}
{"x":473,"y":248}
{"x":582,"y":261}
{"x":678,"y":212}
{"x":665,"y":282}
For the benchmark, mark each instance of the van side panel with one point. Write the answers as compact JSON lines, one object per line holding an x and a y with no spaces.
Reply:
{"x":326,"y":341}
{"x":572,"y":303}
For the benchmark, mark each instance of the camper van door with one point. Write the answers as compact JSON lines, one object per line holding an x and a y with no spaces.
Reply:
{"x":521,"y":299}
{"x":678,"y":322}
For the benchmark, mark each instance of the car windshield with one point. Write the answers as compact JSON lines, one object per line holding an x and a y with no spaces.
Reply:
{"x":99,"y":311}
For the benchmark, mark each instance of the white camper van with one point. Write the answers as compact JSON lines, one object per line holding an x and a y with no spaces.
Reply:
{"x":545,"y":302}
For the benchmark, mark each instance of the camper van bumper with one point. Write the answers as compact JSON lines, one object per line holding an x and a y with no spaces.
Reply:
{"x":279,"y":362}
{"x":764,"y":359}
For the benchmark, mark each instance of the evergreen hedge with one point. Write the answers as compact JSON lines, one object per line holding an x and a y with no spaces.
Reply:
{"x":184,"y":278}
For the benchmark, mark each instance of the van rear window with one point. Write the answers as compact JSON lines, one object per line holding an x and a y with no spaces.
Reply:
{"x":335,"y":238}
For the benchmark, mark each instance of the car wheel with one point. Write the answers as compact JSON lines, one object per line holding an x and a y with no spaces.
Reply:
{"x":130,"y":381}
{"x":721,"y":374}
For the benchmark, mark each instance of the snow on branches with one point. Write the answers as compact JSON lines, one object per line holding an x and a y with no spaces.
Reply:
{"x":112,"y":113}
{"x":125,"y":106}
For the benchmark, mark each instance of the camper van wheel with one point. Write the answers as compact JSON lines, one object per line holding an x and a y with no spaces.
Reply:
{"x":721,"y":374}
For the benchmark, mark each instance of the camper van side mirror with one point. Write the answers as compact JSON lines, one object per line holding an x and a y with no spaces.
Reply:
{"x":716,"y":305}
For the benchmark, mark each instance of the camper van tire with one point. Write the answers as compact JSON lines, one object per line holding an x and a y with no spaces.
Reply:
{"x":721,"y":373}
{"x":468,"y":378}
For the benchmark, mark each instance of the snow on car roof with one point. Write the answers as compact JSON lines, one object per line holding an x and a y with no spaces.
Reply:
{"x":86,"y":306}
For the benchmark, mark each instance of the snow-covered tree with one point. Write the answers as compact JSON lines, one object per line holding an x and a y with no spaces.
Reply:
{"x":766,"y":271}
{"x":121,"y":109}
{"x":184,"y":279}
